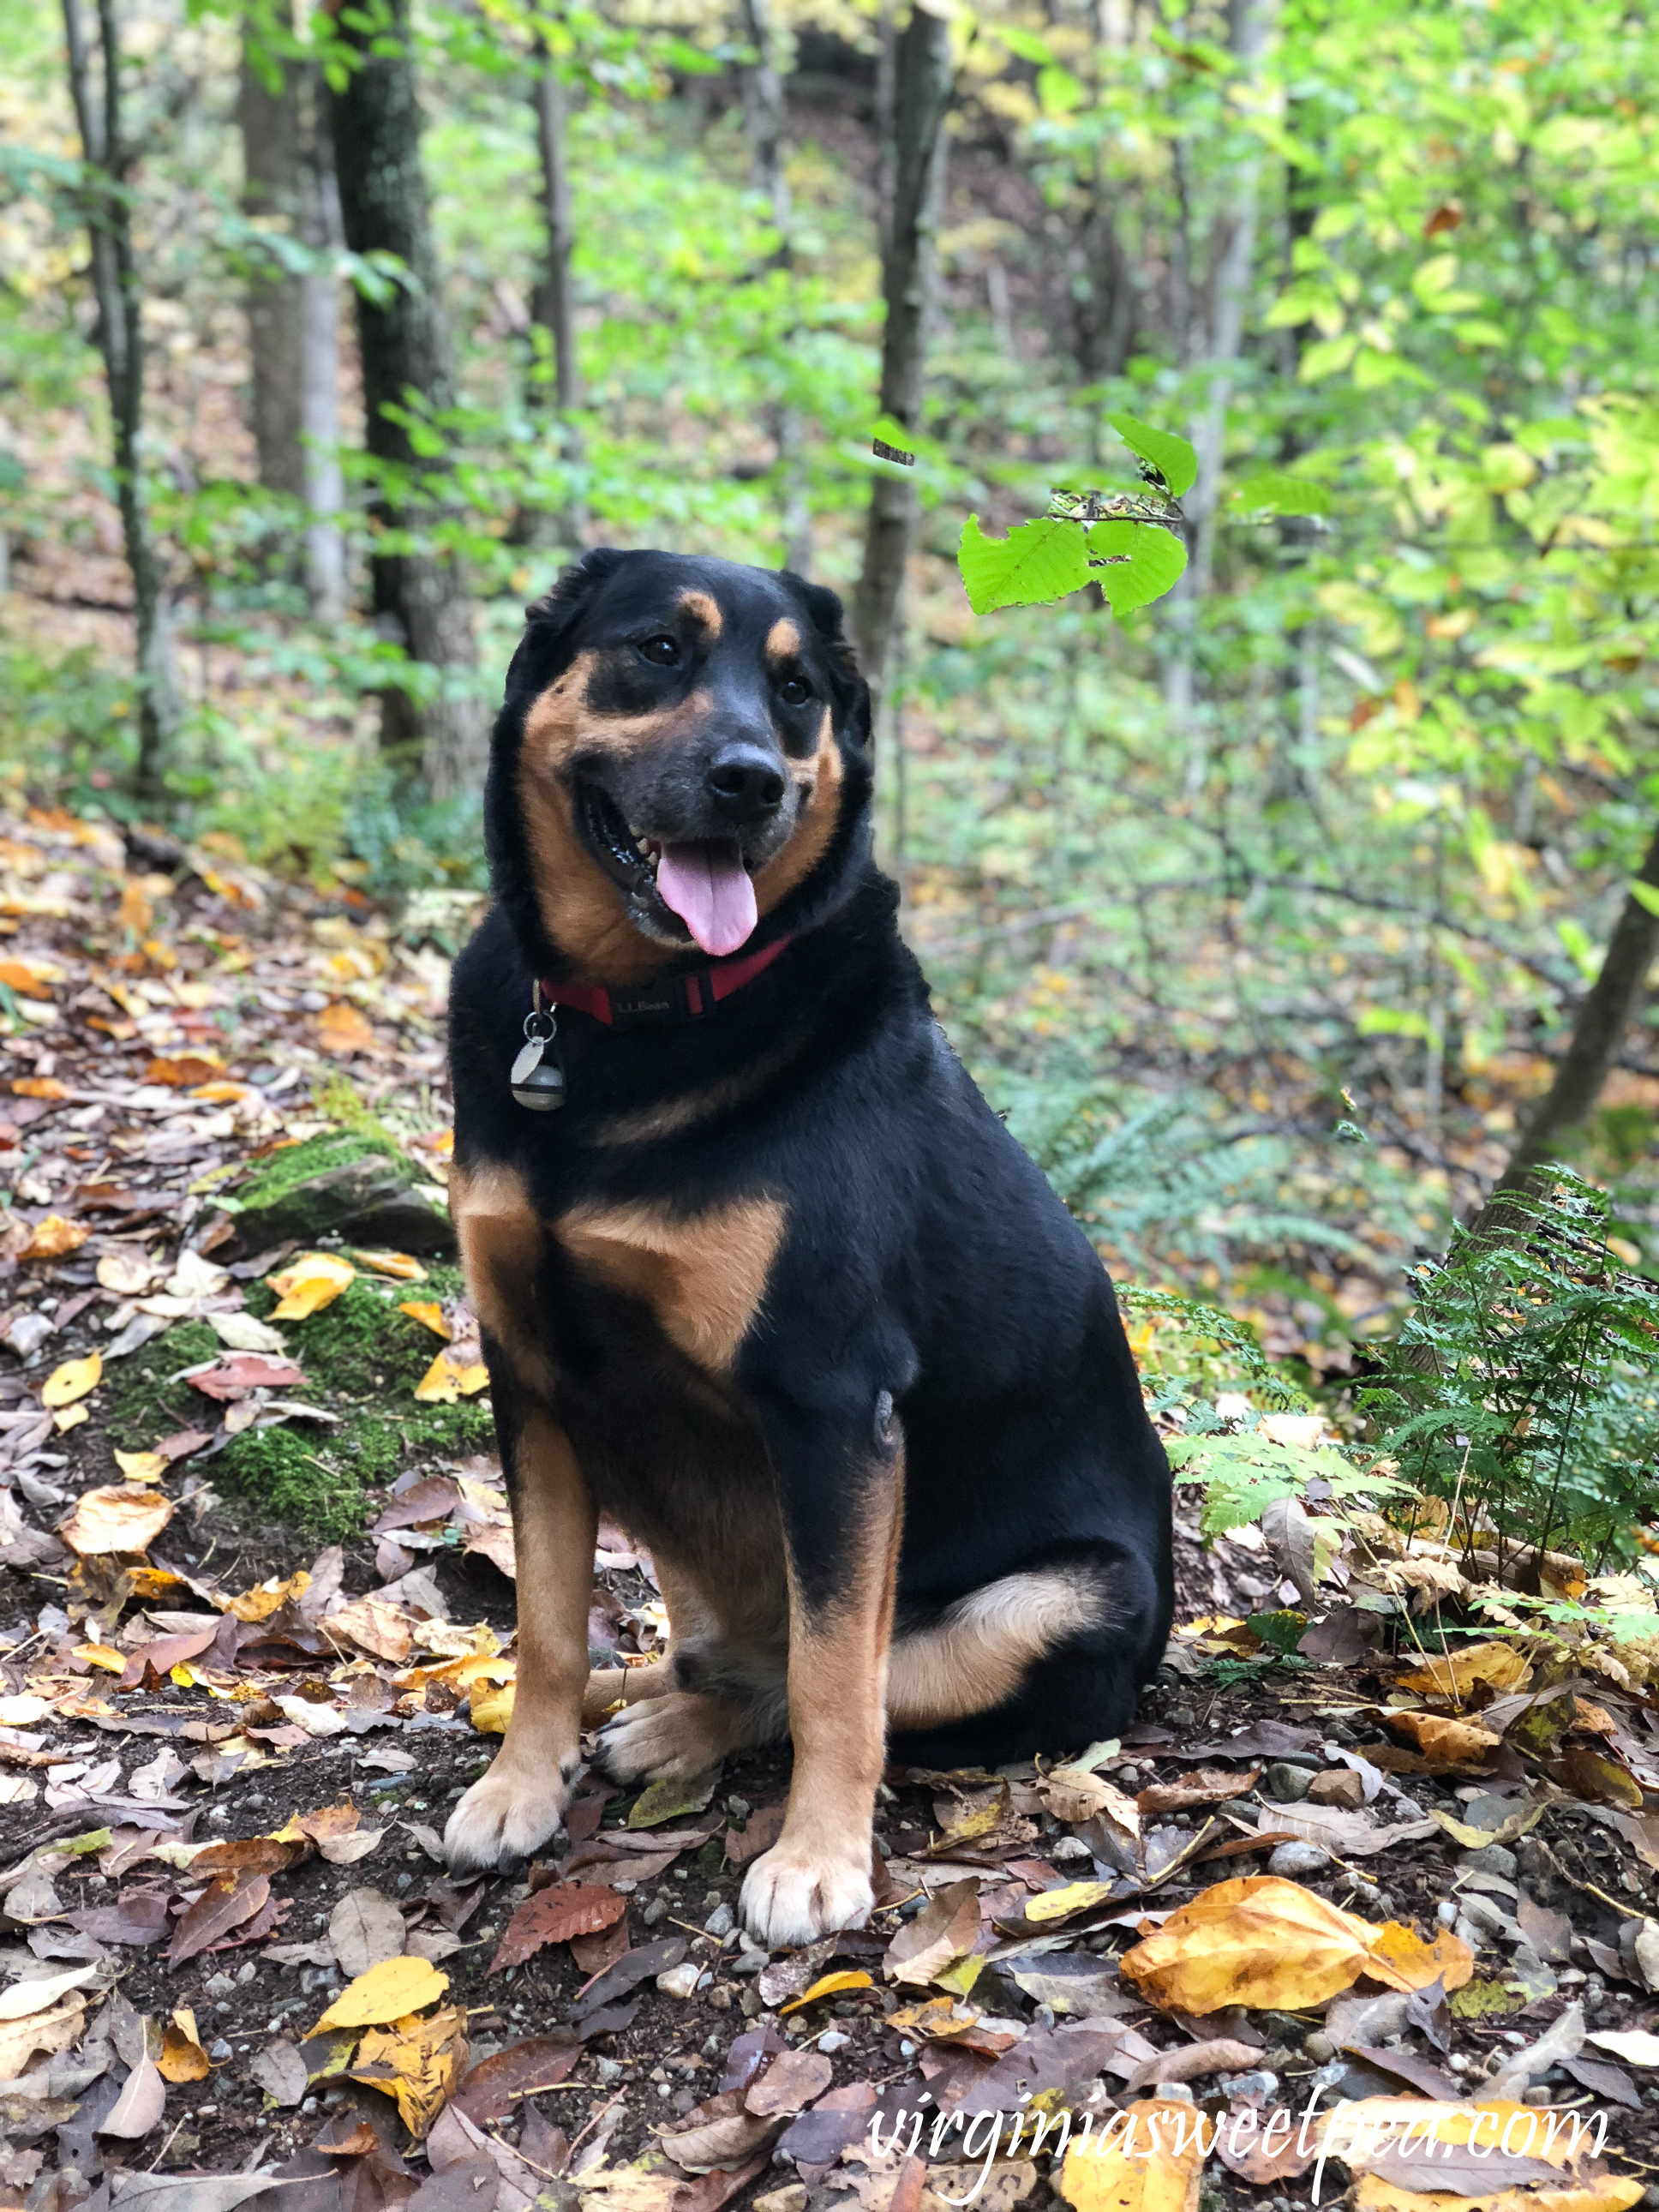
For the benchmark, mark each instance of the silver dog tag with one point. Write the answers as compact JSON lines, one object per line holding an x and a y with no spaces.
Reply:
{"x":536,"y":1079}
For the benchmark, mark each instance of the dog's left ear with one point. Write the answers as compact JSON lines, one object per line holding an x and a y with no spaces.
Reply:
{"x":824,"y":610}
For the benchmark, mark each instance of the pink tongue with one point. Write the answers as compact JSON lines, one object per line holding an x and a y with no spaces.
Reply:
{"x":707,"y":886}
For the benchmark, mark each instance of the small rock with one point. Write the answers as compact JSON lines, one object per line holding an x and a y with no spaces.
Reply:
{"x":835,"y":2040}
{"x":1255,"y":2086}
{"x":1298,"y":1858}
{"x":1177,"y":2093}
{"x":751,"y":2004}
{"x":1070,"y":1847}
{"x":608,"y":2069}
{"x":793,"y":2199}
{"x":245,"y":1974}
{"x":1493,"y":1858}
{"x":679,"y":1981}
{"x":1319,"y":2048}
{"x":748,"y":1962}
{"x":739,"y":1809}
{"x":654,"y":1911}
{"x":1286,"y":1784}
{"x":219,"y":1985}
{"x":1339,"y":1785}
{"x":1446,"y":1913}
{"x":720,"y":1921}
{"x":682,"y":2100}
{"x":219,"y":2051}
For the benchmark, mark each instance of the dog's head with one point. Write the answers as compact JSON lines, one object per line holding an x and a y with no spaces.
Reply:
{"x":681,"y":762}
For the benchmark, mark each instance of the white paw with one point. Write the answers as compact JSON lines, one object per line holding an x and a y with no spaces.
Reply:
{"x":506,"y":1815}
{"x":672,"y":1738}
{"x":789,"y":1899}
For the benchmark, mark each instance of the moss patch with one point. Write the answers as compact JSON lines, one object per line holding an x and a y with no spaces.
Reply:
{"x":296,"y":1163}
{"x":143,"y":1406}
{"x":297,"y":1477}
{"x":360,"y":1346}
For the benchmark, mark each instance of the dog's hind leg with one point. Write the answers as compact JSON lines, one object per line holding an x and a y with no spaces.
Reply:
{"x":703,"y":1701}
{"x":519,"y":1803}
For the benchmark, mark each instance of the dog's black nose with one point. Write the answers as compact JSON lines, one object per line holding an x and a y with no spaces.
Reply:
{"x":745,"y":781}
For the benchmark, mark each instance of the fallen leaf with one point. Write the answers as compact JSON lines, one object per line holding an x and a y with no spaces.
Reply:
{"x":430,"y":1315}
{"x":946,"y":1930}
{"x":1151,"y":2162}
{"x":451,"y":1376}
{"x":791,"y":2082}
{"x":388,"y":1991}
{"x":495,"y":2085}
{"x":1072,"y":1897}
{"x":1455,"y":1674}
{"x":491,"y":1707}
{"x":183,"y":2059}
{"x":142,"y":1466}
{"x":280,"y":2070}
{"x":1507,"y":1829}
{"x":365,"y":1930}
{"x":73,"y":1380}
{"x":260,"y":1604}
{"x":1636,"y":2046}
{"x":140,"y":2106}
{"x":343,"y":1028}
{"x":53,"y":1236}
{"x":1459,"y":1743}
{"x":308,"y":1284}
{"x":1400,"y":1958}
{"x":554,"y":1915}
{"x":41,"y":2032}
{"x":1258,"y":1941}
{"x":1074,"y":1794}
{"x":228,"y":1901}
{"x":400,"y":1266}
{"x":1188,"y":1793}
{"x":426,"y":2059}
{"x":118,"y":1517}
{"x":232,"y":1379}
{"x":831,"y":1986}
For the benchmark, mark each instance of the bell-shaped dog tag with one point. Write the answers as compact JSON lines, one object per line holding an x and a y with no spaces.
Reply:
{"x":537,"y":1080}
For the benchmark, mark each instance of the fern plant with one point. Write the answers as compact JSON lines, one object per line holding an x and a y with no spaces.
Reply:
{"x":1524,"y":1384}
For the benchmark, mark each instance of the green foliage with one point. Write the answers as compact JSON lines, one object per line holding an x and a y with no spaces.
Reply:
{"x":1171,"y":464}
{"x":294,"y":1476}
{"x":1192,"y":1351}
{"x":1036,"y":563}
{"x":359,"y":1347}
{"x":277,"y":1175}
{"x":1246,"y":1473}
{"x":1524,"y":1383}
{"x":144,"y":1403}
{"x":1134,"y":563}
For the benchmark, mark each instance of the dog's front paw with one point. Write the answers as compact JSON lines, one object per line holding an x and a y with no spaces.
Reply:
{"x":790,"y":1899}
{"x":507,"y":1814}
{"x":672,"y":1738}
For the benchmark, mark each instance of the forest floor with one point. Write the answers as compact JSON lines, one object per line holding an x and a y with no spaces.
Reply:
{"x":256,"y":1615}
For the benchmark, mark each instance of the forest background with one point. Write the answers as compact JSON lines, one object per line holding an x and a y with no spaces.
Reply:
{"x":1267,"y":911}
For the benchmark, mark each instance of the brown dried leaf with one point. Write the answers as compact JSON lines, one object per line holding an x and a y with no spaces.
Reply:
{"x":553,"y":1916}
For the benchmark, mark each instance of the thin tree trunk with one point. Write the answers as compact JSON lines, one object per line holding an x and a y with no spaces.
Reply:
{"x":553,"y":297}
{"x":419,"y":595}
{"x":1606,"y":1012}
{"x":922,"y":96}
{"x":120,"y":338}
{"x":1232,"y":257}
{"x":294,"y":317}
{"x":765,"y":115}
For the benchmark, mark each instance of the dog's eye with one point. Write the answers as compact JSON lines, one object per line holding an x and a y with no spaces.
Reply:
{"x":661,"y":652}
{"x":796,"y":691}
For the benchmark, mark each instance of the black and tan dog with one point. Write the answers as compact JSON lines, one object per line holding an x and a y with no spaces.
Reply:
{"x":774,"y":1287}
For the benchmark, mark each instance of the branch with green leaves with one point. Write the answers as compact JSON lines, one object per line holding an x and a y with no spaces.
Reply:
{"x":1131,"y":544}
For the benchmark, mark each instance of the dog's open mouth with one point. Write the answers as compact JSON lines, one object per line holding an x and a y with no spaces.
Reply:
{"x":698,"y":887}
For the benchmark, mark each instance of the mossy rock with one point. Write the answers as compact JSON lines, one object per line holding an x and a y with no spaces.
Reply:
{"x":348,"y":1183}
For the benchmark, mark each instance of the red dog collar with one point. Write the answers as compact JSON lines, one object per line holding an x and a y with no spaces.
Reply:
{"x":675,"y":999}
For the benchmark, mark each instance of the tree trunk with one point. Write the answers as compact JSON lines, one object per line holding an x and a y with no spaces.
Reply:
{"x":765,"y":115}
{"x":1232,"y":255}
{"x":120,"y":339}
{"x":555,"y":378}
{"x":288,"y":171}
{"x":1605,"y":1014}
{"x":922,"y":95}
{"x":418,"y":595}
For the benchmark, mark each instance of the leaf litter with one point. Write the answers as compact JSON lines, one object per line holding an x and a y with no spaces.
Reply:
{"x":233,"y":1963}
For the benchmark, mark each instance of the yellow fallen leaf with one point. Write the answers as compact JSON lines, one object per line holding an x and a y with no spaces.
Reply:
{"x":183,"y":2059}
{"x":73,"y":1380}
{"x":429,"y":1314}
{"x":1146,"y":2159}
{"x":386,"y":1992}
{"x":260,"y":1604}
{"x":1256,"y":1940}
{"x":53,"y":1237}
{"x":308,"y":1284}
{"x":1073,"y":1793}
{"x":492,"y":1709}
{"x":1599,"y":2192}
{"x":71,"y":1418}
{"x":1458,"y":1743}
{"x":834,"y":1985}
{"x":1400,"y":1958}
{"x":449,"y":1378}
{"x":961,"y":1974}
{"x":102,"y":1655}
{"x":427,"y":2059}
{"x":342,"y":1027}
{"x":116,"y":1518}
{"x":1072,"y":1897}
{"x":401,"y":1266}
{"x":1455,"y":1674}
{"x":28,"y":984}
{"x":220,"y":1094}
{"x":142,"y":1467}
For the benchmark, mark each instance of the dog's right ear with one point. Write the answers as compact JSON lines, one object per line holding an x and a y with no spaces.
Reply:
{"x":550,"y":620}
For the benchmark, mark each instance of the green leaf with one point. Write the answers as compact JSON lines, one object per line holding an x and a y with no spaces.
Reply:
{"x":1144,"y":561}
{"x":1058,"y":91}
{"x":1645,"y":895}
{"x":1286,"y":494}
{"x":1025,"y":44}
{"x":1034,"y":564}
{"x":1172,"y":456}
